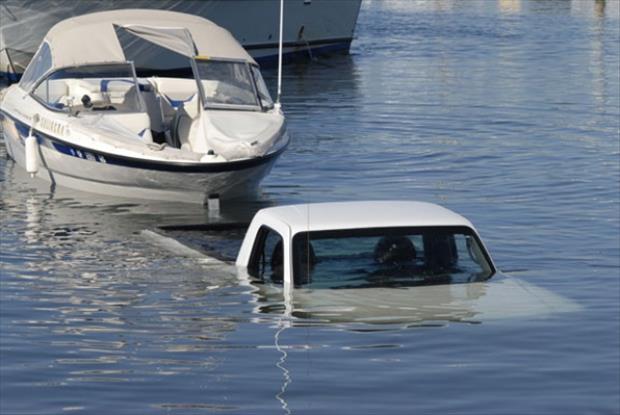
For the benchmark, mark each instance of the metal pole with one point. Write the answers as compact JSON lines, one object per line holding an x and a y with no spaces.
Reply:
{"x":280,"y":54}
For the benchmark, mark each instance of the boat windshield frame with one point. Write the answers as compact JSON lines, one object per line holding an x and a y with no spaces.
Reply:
{"x":141,"y":106}
{"x":207,"y":102}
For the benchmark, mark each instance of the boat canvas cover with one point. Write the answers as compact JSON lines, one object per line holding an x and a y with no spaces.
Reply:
{"x":92,"y":38}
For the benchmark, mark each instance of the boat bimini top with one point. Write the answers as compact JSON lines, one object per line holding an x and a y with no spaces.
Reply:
{"x":154,"y":74}
{"x":96,"y":39}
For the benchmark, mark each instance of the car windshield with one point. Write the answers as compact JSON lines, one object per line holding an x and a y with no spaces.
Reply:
{"x":389,"y":257}
{"x":227,"y":84}
{"x":92,"y":88}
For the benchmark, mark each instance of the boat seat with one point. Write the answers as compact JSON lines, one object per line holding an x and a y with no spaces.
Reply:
{"x":176,"y":91}
{"x":185,"y":125}
{"x":178,"y":103}
{"x":54,"y":92}
{"x":171,"y":95}
{"x":154,"y":110}
{"x":77,"y":88}
{"x":115,"y":92}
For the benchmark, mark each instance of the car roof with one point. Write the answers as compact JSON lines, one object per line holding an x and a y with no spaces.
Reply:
{"x":362,"y":215}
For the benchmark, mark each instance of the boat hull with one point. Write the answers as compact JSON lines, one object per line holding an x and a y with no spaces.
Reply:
{"x":65,"y":164}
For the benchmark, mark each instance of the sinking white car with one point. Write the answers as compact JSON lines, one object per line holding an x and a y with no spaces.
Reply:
{"x":363,"y":244}
{"x":381,"y":261}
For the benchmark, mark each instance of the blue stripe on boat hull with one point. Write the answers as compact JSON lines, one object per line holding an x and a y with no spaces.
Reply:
{"x":112,"y":159}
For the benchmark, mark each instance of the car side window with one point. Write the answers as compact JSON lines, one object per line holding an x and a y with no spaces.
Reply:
{"x":267,"y":259}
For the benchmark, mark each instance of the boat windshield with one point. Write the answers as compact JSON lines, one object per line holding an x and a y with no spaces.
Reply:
{"x":389,"y":257}
{"x":230,"y":84}
{"x":91,"y":89}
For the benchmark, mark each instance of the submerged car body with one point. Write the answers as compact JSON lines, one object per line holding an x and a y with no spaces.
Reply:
{"x":349,"y":262}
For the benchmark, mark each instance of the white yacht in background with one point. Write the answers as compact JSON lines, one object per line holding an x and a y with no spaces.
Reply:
{"x":80,"y":117}
{"x":310,"y":26}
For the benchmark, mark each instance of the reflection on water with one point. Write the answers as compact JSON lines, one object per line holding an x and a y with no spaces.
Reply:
{"x":285,"y":372}
{"x":509,"y":6}
{"x":505,"y":111}
{"x":500,"y":298}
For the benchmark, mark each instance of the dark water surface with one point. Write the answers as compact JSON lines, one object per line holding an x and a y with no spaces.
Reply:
{"x":505,"y":111}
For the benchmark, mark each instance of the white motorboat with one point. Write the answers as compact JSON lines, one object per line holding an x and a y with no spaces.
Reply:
{"x":311,"y":27}
{"x":86,"y":114}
